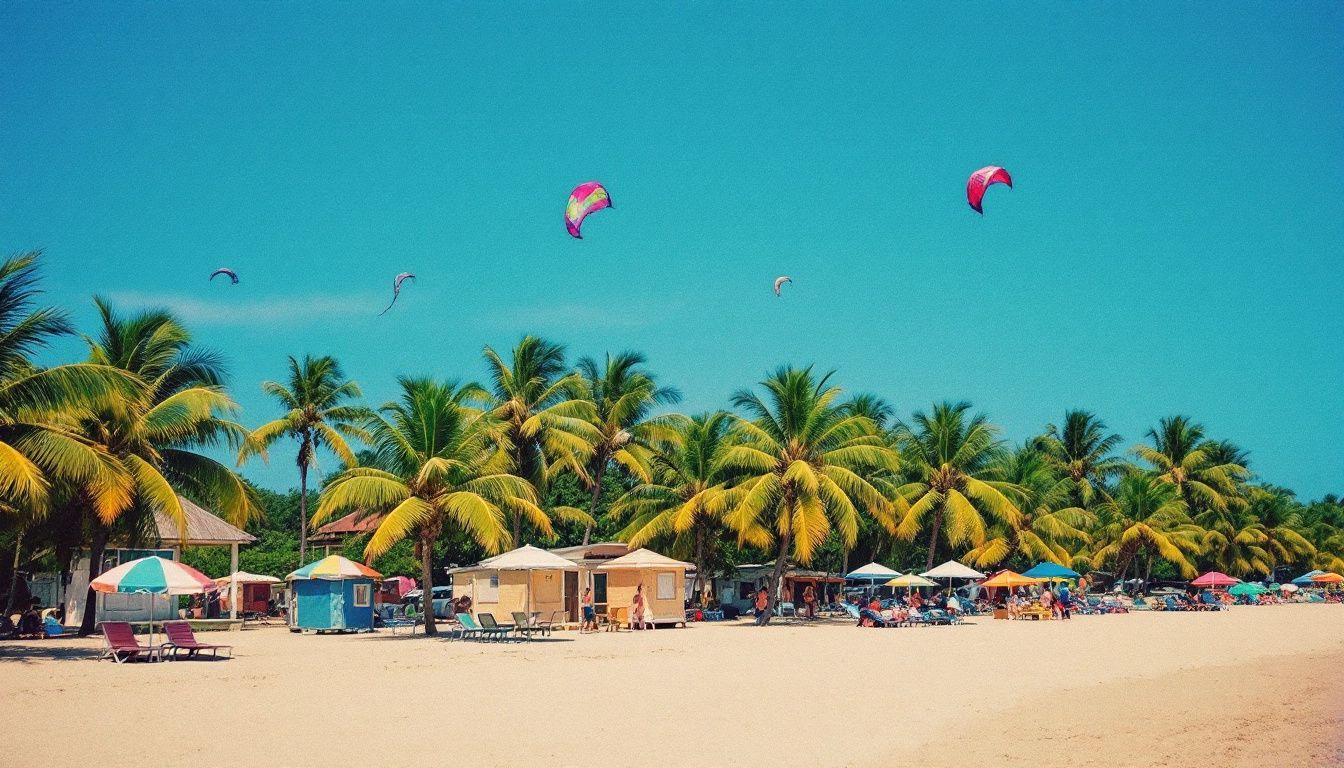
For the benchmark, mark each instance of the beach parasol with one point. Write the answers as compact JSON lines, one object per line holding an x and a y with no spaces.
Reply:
{"x":1009,"y":579}
{"x":1327,"y":578}
{"x":334,"y":567}
{"x":1305,"y":579}
{"x":1289,"y":587}
{"x":1051,"y":572}
{"x":910,"y":581}
{"x":153,"y":575}
{"x":952,"y":570}
{"x":1215,"y":579}
{"x":1247,"y":588}
{"x":872,"y":573}
{"x":243,"y":577}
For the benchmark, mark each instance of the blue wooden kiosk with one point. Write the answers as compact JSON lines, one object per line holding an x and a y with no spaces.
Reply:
{"x":333,"y":594}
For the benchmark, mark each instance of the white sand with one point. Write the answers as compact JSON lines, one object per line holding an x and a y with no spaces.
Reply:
{"x":1256,"y":686}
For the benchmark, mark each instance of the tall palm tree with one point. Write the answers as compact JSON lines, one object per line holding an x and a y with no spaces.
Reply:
{"x":1146,"y":520}
{"x":547,"y":422}
{"x":1084,"y":451}
{"x":622,"y":394}
{"x":950,"y":452}
{"x":38,"y":440}
{"x":686,"y":497}
{"x":807,"y":467}
{"x":1194,"y":466}
{"x":1051,"y":528}
{"x":153,"y":436}
{"x":1280,"y":516}
{"x":434,"y":467}
{"x":318,"y":414}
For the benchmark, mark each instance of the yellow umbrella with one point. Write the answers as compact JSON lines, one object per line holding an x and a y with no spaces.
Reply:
{"x":1010,"y":579}
{"x":911,"y":580}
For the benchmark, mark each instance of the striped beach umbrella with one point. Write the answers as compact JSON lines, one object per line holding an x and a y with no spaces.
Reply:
{"x":154,"y":575}
{"x":334,"y":567}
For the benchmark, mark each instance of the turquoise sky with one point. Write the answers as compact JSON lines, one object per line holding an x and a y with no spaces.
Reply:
{"x":1173,"y":243}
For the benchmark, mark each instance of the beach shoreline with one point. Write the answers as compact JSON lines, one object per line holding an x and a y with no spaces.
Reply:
{"x":825,"y":694}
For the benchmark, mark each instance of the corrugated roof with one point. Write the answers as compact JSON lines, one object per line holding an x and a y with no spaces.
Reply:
{"x":203,"y":527}
{"x":346,"y":526}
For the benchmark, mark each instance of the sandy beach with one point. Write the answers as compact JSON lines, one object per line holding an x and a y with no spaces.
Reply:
{"x":1254,"y":686}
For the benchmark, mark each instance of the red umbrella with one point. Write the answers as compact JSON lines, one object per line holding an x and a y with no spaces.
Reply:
{"x":1214,"y":579}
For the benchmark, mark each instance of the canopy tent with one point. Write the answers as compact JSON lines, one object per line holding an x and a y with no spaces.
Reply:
{"x":530,"y":559}
{"x":1215,"y":579}
{"x":1247,"y":588}
{"x":953,"y":570}
{"x":153,"y":575}
{"x":1305,"y":579}
{"x":1051,"y":572}
{"x":642,"y":558}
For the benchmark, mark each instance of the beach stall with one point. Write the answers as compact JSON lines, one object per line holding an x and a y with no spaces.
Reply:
{"x":332,"y":594}
{"x":526,"y":579}
{"x":663,"y":578}
{"x":254,"y":591}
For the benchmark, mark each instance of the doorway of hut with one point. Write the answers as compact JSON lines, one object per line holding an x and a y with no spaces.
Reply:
{"x":572,"y":596}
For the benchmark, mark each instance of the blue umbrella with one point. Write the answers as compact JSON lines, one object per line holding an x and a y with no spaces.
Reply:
{"x":1051,"y":571}
{"x":1305,"y":579}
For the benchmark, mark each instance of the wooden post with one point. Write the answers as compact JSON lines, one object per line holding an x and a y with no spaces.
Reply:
{"x":233,"y":580}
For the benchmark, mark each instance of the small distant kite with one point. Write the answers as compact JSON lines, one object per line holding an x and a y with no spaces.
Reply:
{"x":585,"y":199}
{"x":396,"y":288}
{"x":225,"y":271}
{"x":981,"y":180}
{"x":780,"y":281}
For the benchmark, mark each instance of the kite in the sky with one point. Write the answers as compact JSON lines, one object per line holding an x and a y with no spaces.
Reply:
{"x":396,"y":288}
{"x":780,"y":281}
{"x":225,"y":271}
{"x":980,"y":181}
{"x":586,"y":198}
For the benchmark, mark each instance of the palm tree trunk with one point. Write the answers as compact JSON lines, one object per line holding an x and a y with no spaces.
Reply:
{"x":699,"y":565}
{"x":781,"y":563}
{"x":597,"y":496}
{"x":303,"y":512}
{"x":427,"y":576}
{"x":933,"y":539}
{"x":14,"y":577}
{"x":96,"y":548}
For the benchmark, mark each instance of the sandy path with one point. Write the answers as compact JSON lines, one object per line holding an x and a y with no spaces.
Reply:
{"x":812,"y":695}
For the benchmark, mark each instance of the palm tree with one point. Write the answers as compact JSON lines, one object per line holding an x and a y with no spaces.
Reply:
{"x":1195,"y":467}
{"x":950,"y":454}
{"x":686,"y":497}
{"x":807,"y":468}
{"x":434,"y":466}
{"x":547,"y":423}
{"x":318,"y":414}
{"x":153,"y":436}
{"x":622,"y":394}
{"x":1083,"y":450}
{"x":1146,"y":519}
{"x":38,"y":442}
{"x":1280,"y":516}
{"x":1051,"y":528}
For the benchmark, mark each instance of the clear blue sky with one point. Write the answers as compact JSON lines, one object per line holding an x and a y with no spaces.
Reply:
{"x":1173,"y":243}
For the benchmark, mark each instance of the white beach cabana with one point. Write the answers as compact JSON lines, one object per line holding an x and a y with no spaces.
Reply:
{"x":511,"y":581}
{"x":665,"y":600}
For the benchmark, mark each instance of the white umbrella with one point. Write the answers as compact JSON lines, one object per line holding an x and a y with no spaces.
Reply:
{"x":953,"y":570}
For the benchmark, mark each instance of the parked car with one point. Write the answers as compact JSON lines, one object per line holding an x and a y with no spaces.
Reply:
{"x":441,"y":599}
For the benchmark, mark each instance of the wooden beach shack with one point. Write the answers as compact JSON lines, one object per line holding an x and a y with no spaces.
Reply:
{"x":526,"y":579}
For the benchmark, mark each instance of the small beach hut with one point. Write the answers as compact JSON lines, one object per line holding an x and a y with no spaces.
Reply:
{"x":526,"y":579}
{"x":664,"y":581}
{"x":332,"y":594}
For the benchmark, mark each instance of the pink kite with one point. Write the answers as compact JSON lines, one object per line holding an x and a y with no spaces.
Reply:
{"x":980,"y":181}
{"x":586,"y":198}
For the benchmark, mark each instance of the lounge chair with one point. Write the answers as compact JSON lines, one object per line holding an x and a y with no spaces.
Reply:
{"x":182,"y":638}
{"x":1170,"y":604}
{"x":527,"y":627}
{"x":120,"y":645}
{"x":615,"y":618}
{"x":1211,"y":601}
{"x":470,"y":629}
{"x":492,"y":628}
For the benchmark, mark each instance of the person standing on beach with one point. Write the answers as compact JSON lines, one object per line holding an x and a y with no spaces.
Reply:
{"x":810,"y":601}
{"x":589,"y":615}
{"x":1065,"y":601}
{"x":637,"y":618}
{"x":762,"y":601}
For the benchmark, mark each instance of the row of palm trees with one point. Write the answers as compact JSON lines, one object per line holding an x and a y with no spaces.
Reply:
{"x":90,"y":451}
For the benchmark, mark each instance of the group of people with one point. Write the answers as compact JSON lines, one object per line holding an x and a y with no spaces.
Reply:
{"x":640,"y":617}
{"x":1058,"y":600}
